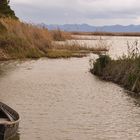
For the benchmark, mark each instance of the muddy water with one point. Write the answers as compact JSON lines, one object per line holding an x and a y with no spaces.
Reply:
{"x":61,"y":100}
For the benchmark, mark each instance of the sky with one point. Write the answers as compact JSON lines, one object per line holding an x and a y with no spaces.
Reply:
{"x":92,"y":12}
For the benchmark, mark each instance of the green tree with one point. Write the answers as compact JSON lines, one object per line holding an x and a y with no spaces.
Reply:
{"x":5,"y":10}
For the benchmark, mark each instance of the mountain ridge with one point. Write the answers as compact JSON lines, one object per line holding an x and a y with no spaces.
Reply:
{"x":90,"y":28}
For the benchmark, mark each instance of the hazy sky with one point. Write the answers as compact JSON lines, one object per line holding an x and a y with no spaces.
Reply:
{"x":94,"y":12}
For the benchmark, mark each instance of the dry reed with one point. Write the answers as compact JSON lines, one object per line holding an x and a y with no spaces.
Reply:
{"x":21,"y":40}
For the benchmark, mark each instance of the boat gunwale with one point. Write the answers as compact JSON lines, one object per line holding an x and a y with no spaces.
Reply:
{"x":10,"y":122}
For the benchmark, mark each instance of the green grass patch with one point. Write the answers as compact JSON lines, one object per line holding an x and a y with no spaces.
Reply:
{"x":59,"y":53}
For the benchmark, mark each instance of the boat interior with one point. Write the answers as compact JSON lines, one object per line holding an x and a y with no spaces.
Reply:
{"x":4,"y":117}
{"x":7,"y":114}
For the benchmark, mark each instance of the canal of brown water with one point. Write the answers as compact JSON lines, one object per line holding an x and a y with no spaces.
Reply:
{"x":61,"y":100}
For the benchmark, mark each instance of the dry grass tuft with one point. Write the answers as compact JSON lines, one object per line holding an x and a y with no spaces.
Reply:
{"x":59,"y":35}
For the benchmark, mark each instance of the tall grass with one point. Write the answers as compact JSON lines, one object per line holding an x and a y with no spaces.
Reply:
{"x":75,"y":49}
{"x":124,"y":71}
{"x":59,"y":35}
{"x":23,"y":40}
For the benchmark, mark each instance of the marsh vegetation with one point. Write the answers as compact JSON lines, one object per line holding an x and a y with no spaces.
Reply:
{"x":124,"y":71}
{"x":21,"y":40}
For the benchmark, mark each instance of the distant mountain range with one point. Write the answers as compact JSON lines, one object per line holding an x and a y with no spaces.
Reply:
{"x":89,"y":28}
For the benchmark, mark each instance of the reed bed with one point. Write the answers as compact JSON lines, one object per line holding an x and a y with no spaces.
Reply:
{"x":59,"y":35}
{"x":124,"y":71}
{"x":22,"y":40}
{"x":76,"y":49}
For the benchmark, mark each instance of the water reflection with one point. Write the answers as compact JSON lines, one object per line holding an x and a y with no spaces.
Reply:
{"x":16,"y":137}
{"x":0,"y":71}
{"x":7,"y":67}
{"x":135,"y":97}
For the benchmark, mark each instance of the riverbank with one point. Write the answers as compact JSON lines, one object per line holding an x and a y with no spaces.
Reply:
{"x":20,"y":40}
{"x":124,"y":71}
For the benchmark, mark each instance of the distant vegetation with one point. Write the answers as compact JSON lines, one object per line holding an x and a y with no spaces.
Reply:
{"x":124,"y":71}
{"x":107,"y":33}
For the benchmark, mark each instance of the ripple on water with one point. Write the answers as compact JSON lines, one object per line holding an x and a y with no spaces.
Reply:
{"x":61,"y":100}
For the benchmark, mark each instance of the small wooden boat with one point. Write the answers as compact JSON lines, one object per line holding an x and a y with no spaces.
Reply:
{"x":9,"y":122}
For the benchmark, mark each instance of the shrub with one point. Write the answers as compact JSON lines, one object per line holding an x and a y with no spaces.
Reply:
{"x":100,"y":64}
{"x":5,"y":10}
